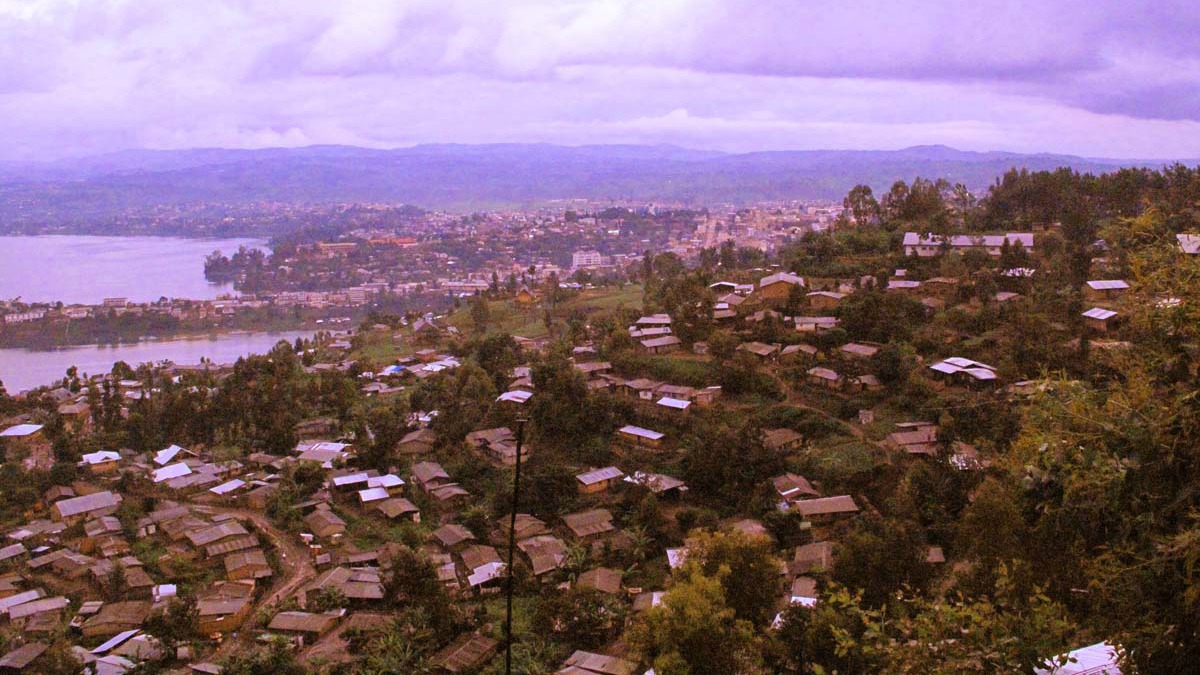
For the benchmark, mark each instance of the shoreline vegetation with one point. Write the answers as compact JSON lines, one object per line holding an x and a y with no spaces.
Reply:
{"x":132,"y":329}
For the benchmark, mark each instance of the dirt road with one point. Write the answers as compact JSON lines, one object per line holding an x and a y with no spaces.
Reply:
{"x":294,"y":558}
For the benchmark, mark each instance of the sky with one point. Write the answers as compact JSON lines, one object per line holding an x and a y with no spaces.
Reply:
{"x":1099,"y":78}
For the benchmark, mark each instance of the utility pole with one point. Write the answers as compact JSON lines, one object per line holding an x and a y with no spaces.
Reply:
{"x":512,"y":546}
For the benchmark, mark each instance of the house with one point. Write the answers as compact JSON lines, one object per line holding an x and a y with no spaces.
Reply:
{"x":641,"y":388}
{"x":804,"y":592}
{"x":776,"y":289}
{"x":930,"y":245}
{"x":915,"y":439}
{"x":824,"y":377}
{"x":764,"y":352}
{"x":546,"y":553}
{"x":589,"y":525}
{"x":825,"y":300}
{"x":801,"y":353}
{"x":115,"y":617}
{"x":526,"y":526}
{"x":598,"y":480}
{"x":826,"y":506}
{"x":812,"y":558}
{"x":1102,"y":658}
{"x":965,"y":371}
{"x":1189,"y":243}
{"x":356,"y":584}
{"x":22,"y":657}
{"x":858,"y":350}
{"x":217,"y":533}
{"x":640,"y":332}
{"x":324,"y":523}
{"x":222,"y":615}
{"x":428,"y":475}
{"x":101,"y":462}
{"x":483,"y":438}
{"x":78,"y":414}
{"x":167,"y":455}
{"x":791,"y":487}
{"x":418,"y":442}
{"x":305,"y":624}
{"x":57,"y":492}
{"x":398,"y":506}
{"x":934,"y":555}
{"x":467,"y":653}
{"x":588,"y":663}
{"x":26,"y":437}
{"x":249,"y":564}
{"x":596,"y":368}
{"x":781,"y":440}
{"x":602,"y":579}
{"x":867,"y":382}
{"x":903,"y":285}
{"x":1099,"y":319}
{"x":170,"y":471}
{"x":1101,"y":290}
{"x":659,"y":484}
{"x":638,"y":436}
{"x":452,"y":536}
{"x":813,"y":324}
{"x":674,"y":405}
{"x":940,"y":287}
{"x":77,"y":509}
{"x":661,"y":345}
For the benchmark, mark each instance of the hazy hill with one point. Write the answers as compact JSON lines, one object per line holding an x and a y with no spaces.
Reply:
{"x":473,"y":176}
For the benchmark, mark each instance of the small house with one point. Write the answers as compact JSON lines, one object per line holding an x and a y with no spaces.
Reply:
{"x":1101,"y":290}
{"x":1099,"y":319}
{"x":640,"y":437}
{"x":598,"y":480}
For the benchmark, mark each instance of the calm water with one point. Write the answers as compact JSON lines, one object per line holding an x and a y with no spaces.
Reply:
{"x":86,"y":269}
{"x":22,"y":369}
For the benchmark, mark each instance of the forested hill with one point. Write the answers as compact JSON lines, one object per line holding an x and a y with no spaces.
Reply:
{"x":473,"y":176}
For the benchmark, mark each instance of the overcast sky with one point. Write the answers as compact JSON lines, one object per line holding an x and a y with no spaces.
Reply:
{"x":1113,"y":78}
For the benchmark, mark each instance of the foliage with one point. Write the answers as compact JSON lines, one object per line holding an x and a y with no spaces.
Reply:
{"x":694,"y":631}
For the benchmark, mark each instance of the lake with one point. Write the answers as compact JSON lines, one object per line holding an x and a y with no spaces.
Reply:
{"x":23,"y":369}
{"x":87,"y":269}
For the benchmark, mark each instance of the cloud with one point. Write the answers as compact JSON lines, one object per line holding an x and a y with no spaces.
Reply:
{"x":105,"y":74}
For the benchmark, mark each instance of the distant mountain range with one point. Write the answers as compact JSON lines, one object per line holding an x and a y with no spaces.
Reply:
{"x":461,"y":177}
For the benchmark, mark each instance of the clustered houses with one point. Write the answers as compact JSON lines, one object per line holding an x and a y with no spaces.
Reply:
{"x":205,"y":513}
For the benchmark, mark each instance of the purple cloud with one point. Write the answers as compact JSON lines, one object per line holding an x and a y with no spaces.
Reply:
{"x":1097,"y":78}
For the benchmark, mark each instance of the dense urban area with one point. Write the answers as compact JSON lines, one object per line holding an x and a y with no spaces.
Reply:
{"x":922,"y":431}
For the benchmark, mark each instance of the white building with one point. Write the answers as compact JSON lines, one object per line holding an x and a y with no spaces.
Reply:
{"x":586,"y":259}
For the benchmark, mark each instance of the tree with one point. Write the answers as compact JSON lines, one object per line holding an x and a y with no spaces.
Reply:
{"x":861,"y":204}
{"x":276,"y":658}
{"x":694,"y":631}
{"x":583,"y":618}
{"x":115,"y":584}
{"x":879,"y":557}
{"x":746,"y":567}
{"x":327,"y":599}
{"x":894,"y":363}
{"x":722,"y":344}
{"x":481,"y":314}
{"x":1004,"y":631}
{"x":178,"y":623}
{"x":724,"y":465}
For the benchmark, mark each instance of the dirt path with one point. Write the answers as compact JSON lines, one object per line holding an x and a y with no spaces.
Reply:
{"x":294,"y":558}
